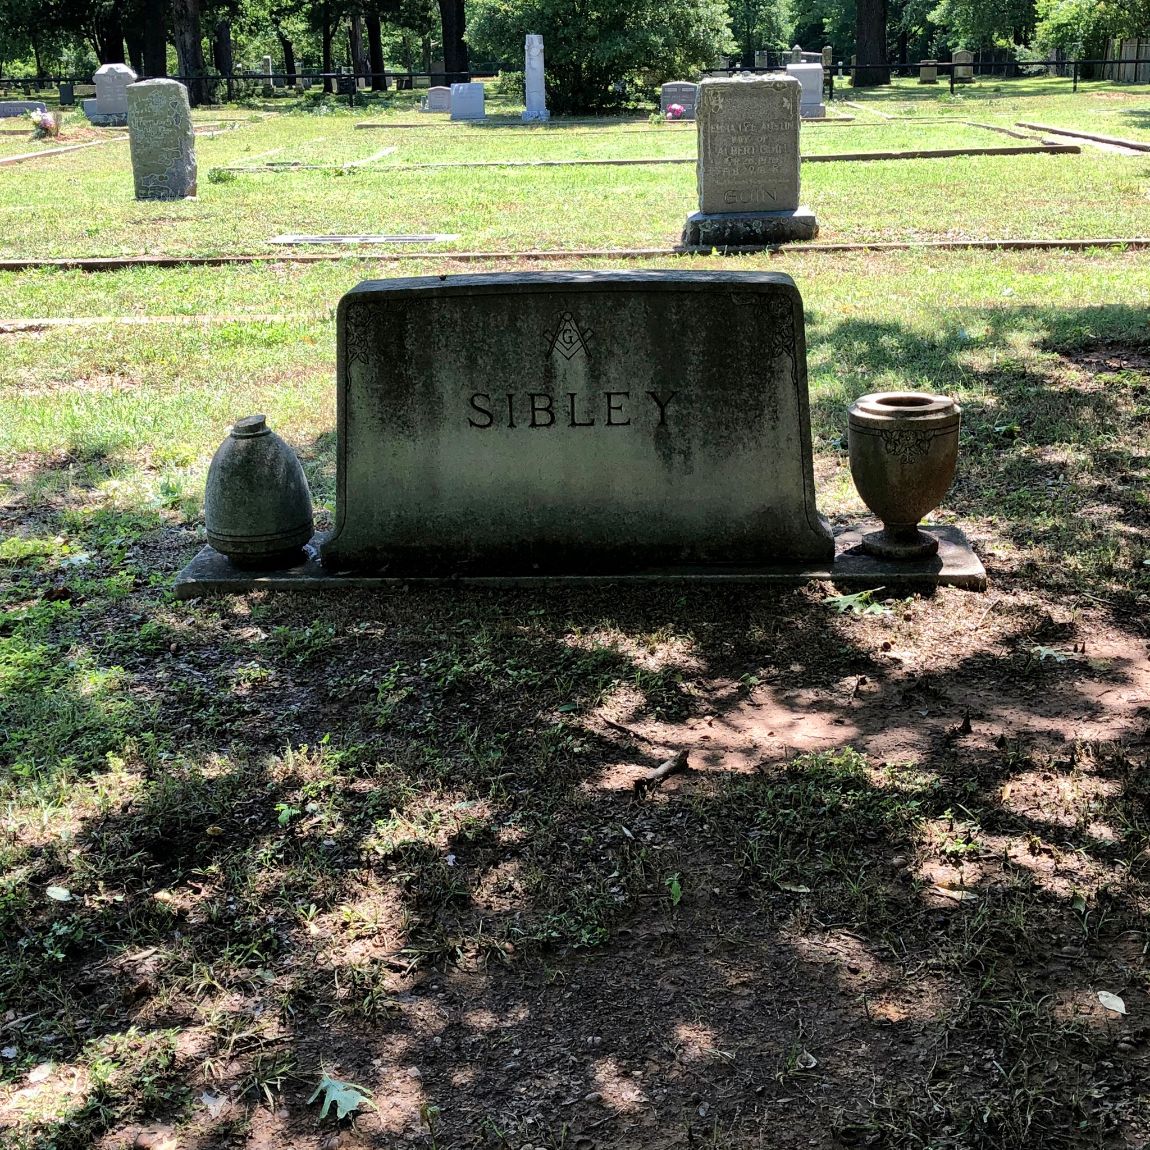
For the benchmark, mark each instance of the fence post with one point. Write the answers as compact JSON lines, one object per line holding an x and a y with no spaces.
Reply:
{"x":1076,"y":74}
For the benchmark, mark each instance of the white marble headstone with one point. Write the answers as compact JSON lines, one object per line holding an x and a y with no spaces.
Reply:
{"x":111,"y":83}
{"x":438,"y":99}
{"x":534,"y":80}
{"x":467,"y":102}
{"x":810,"y":76}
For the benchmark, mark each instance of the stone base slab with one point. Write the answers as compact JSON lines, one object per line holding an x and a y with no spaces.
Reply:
{"x":955,"y":565}
{"x":531,"y":117}
{"x":104,"y":119}
{"x":748,"y":229}
{"x":813,"y":111}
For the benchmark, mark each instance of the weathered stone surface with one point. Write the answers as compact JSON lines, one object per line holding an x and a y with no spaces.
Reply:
{"x":963,"y":62}
{"x":534,"y":80}
{"x":257,"y":505}
{"x":467,"y":102}
{"x":110,"y":107}
{"x":748,"y":144}
{"x":749,"y":229}
{"x":11,"y":108}
{"x":438,"y":99}
{"x":810,"y":78}
{"x":955,"y":565}
{"x":679,"y":92}
{"x":573,"y":422}
{"x":162,"y":141}
{"x":928,"y":72}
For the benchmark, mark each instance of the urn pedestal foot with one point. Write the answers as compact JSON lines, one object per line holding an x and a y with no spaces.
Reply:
{"x":900,"y":543}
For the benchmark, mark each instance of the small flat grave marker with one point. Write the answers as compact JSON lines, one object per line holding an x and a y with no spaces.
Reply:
{"x":336,"y":239}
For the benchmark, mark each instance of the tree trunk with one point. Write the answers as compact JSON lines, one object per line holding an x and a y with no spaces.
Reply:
{"x":375,"y":54}
{"x":155,"y":38}
{"x":355,"y":43}
{"x":222,"y":55}
{"x":134,"y":37}
{"x":328,"y":60}
{"x":190,"y":49}
{"x":110,"y":38}
{"x":288,"y":50}
{"x":453,"y":17}
{"x":870,"y":43}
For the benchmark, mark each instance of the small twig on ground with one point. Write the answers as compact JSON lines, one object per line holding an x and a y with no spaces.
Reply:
{"x":985,"y":615}
{"x":627,"y":731}
{"x":673,"y":766}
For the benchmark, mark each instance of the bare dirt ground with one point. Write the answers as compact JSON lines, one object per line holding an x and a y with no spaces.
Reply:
{"x":897,"y":899}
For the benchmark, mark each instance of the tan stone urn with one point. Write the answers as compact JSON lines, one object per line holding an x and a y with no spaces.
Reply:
{"x":903,"y":452}
{"x":257,"y":505}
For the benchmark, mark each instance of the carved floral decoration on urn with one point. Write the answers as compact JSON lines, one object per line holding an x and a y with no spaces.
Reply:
{"x":903,"y":453}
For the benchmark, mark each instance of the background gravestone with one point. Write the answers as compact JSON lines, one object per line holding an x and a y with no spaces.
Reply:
{"x":748,"y":165}
{"x":810,"y":78}
{"x":680,"y":92}
{"x":12,"y":108}
{"x":534,"y":82}
{"x":467,"y":102}
{"x":110,"y":107}
{"x":438,"y":99}
{"x":573,"y":422}
{"x":162,"y":140}
{"x":963,"y":63}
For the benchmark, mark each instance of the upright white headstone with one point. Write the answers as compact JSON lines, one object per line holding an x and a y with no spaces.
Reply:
{"x":162,"y":141}
{"x":810,"y":76}
{"x":533,"y":76}
{"x":438,"y":99}
{"x":110,"y":107}
{"x":467,"y":102}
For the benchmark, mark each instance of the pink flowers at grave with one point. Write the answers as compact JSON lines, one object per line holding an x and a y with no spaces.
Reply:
{"x":675,"y":111}
{"x":45,"y":124}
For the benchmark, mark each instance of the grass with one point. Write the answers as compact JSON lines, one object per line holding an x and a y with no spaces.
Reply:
{"x":1086,"y":196}
{"x":394,"y":839}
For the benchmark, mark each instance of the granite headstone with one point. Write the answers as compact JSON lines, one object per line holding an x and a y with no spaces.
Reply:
{"x":438,"y":99}
{"x":680,"y":92}
{"x":748,"y":164}
{"x":810,"y":77}
{"x":9,"y":109}
{"x":467,"y":101}
{"x":110,"y":107}
{"x":573,"y":422}
{"x":162,"y":140}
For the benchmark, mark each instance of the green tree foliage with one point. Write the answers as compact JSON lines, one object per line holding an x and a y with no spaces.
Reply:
{"x":1075,"y":26}
{"x":759,"y":24}
{"x":986,"y":23}
{"x":594,"y":47}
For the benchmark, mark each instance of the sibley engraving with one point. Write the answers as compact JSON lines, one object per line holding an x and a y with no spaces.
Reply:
{"x":541,"y":409}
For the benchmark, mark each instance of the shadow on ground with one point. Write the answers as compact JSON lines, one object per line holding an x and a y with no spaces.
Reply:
{"x":397,"y":839}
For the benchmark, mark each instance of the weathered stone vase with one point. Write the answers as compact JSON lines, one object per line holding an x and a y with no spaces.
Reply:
{"x":903,"y":452}
{"x":257,"y":507}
